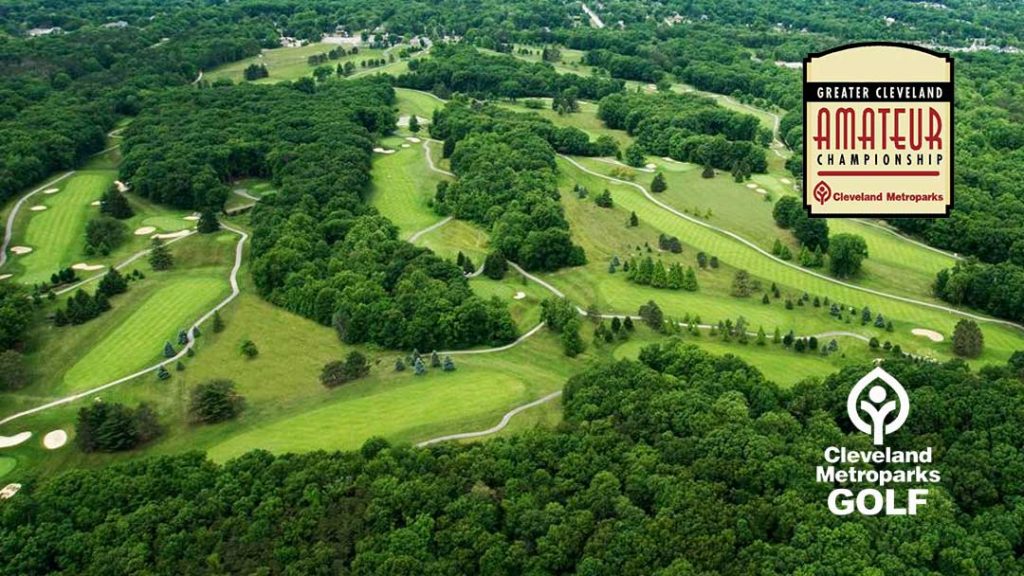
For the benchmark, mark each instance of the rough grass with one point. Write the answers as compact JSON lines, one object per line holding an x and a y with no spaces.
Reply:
{"x":287,"y":63}
{"x":7,"y":465}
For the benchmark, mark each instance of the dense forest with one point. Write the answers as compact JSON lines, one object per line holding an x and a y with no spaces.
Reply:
{"x":318,"y":249}
{"x":683,"y":463}
{"x":689,"y":128}
{"x":508,"y":182}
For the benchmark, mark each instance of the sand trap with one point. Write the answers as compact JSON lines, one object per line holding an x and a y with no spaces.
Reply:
{"x":519,"y":296}
{"x":651,"y":166}
{"x":192,"y":218}
{"x":20,"y":249}
{"x":929,"y":334}
{"x":87,"y":267}
{"x":785,"y":180}
{"x":380,"y":150}
{"x":11,"y":441}
{"x":38,"y":208}
{"x":9,"y":491}
{"x":121,"y":186}
{"x":145,"y":230}
{"x":751,"y":185}
{"x":177,"y":234}
{"x":413,"y":139}
{"x":405,"y":145}
{"x":51,"y":190}
{"x":96,"y":203}
{"x":404,"y":120}
{"x":55,"y":439}
{"x":760,"y":191}
{"x":5,"y":276}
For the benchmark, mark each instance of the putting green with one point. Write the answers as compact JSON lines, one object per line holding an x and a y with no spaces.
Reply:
{"x":7,"y":465}
{"x":56,"y":235}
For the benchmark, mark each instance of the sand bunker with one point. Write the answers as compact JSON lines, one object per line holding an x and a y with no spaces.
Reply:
{"x":5,"y":276}
{"x":96,"y":203}
{"x":519,"y":296}
{"x":87,"y":267}
{"x":51,"y":190}
{"x":929,"y":334}
{"x":751,"y":185}
{"x":177,"y":234}
{"x":413,"y":139}
{"x":651,"y":166}
{"x":55,"y":439}
{"x":38,"y":208}
{"x":20,"y":249}
{"x":192,"y":218}
{"x":405,"y":145}
{"x":121,"y":186}
{"x":403,"y":121}
{"x":145,"y":230}
{"x":11,"y":441}
{"x":380,"y":150}
{"x":785,"y":180}
{"x":9,"y":491}
{"x":760,"y":191}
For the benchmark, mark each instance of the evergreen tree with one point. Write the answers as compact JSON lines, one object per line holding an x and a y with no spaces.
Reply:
{"x":645,"y":273}
{"x":414,"y":124}
{"x":633,"y":220}
{"x":604,"y":199}
{"x":214,"y":401}
{"x":658,"y":184}
{"x":182,"y":337}
{"x":777,"y":337}
{"x":399,"y":365}
{"x":659,"y":279}
{"x":169,"y":351}
{"x":676,"y":276}
{"x":250,"y":350}
{"x":968,"y":340}
{"x":162,"y":373}
{"x":115,"y":204}
{"x":765,"y":299}
{"x":690,"y":280}
{"x":218,"y":322}
{"x":495,"y":265}
{"x":112,"y":283}
{"x":627,"y":324}
{"x":708,"y":171}
{"x":419,"y":367}
{"x":572,"y":343}
{"x":435,"y":360}
{"x":208,"y":222}
{"x":634,"y":155}
{"x":449,"y":364}
{"x":159,"y":256}
{"x":762,"y":338}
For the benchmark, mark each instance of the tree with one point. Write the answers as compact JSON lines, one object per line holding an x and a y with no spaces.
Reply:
{"x":742,"y":284}
{"x":572,"y":343}
{"x":340,"y":372}
{"x":435,"y":360}
{"x":399,"y":365}
{"x":846,"y":253}
{"x":208,"y":222}
{"x":214,"y":401}
{"x":159,"y":256}
{"x":449,"y":364}
{"x":218,"y":322}
{"x":112,"y":283}
{"x":652,"y":315}
{"x":419,"y":367}
{"x":658,"y":184}
{"x":495,"y":265}
{"x":968,"y":340}
{"x":635,"y":155}
{"x":114,"y":204}
{"x":762,"y":338}
{"x":633,"y":220}
{"x":14,"y":373}
{"x":708,"y":171}
{"x":249,"y":349}
{"x":103,"y":234}
{"x":169,"y":351}
{"x":690,"y":280}
{"x":414,"y":124}
{"x":604,"y":199}
{"x":627,"y":324}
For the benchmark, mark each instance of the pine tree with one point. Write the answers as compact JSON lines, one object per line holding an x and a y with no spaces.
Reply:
{"x":659,"y":279}
{"x":208,"y":222}
{"x":419,"y":367}
{"x":762,"y":338}
{"x":690,"y":280}
{"x":633,"y":220}
{"x":646,"y":271}
{"x":414,"y":124}
{"x":449,"y":364}
{"x":182,"y":337}
{"x":218,"y":322}
{"x":627,"y":324}
{"x":159,"y":256}
{"x":658,"y":184}
{"x":777,"y":337}
{"x":968,"y":340}
{"x":435,"y":360}
{"x":162,"y":373}
{"x":399,"y":365}
{"x":708,"y":172}
{"x":676,"y":277}
{"x":169,"y":350}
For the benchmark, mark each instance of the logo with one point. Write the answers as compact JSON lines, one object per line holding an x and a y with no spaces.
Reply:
{"x":822,"y":192}
{"x":878,"y":124}
{"x":878,"y":405}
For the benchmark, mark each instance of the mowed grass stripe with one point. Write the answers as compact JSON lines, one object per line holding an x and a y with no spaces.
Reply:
{"x":57,"y":235}
{"x":1001,"y":340}
{"x":403,"y":187}
{"x":140,"y":339}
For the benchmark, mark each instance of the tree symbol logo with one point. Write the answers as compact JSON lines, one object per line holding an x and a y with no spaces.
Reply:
{"x":822,"y":192}
{"x":877,"y":406}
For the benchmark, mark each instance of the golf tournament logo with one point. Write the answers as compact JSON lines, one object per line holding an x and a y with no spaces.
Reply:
{"x":878,"y":131}
{"x":878,"y":405}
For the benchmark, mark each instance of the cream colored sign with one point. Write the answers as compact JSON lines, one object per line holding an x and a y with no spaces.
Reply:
{"x":878,"y":132}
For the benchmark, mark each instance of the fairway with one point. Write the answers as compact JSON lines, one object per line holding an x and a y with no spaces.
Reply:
{"x":7,"y":464}
{"x":403,"y":186}
{"x":288,"y":63}
{"x":419,"y":103}
{"x":57,"y":235}
{"x":140,"y":338}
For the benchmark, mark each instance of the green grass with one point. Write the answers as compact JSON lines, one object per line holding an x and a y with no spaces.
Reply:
{"x":287,"y":63}
{"x":7,"y":465}
{"x":57,"y":235}
{"x":586,"y":120}
{"x":403,"y":186}
{"x":415,"y":102}
{"x":455,"y":236}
